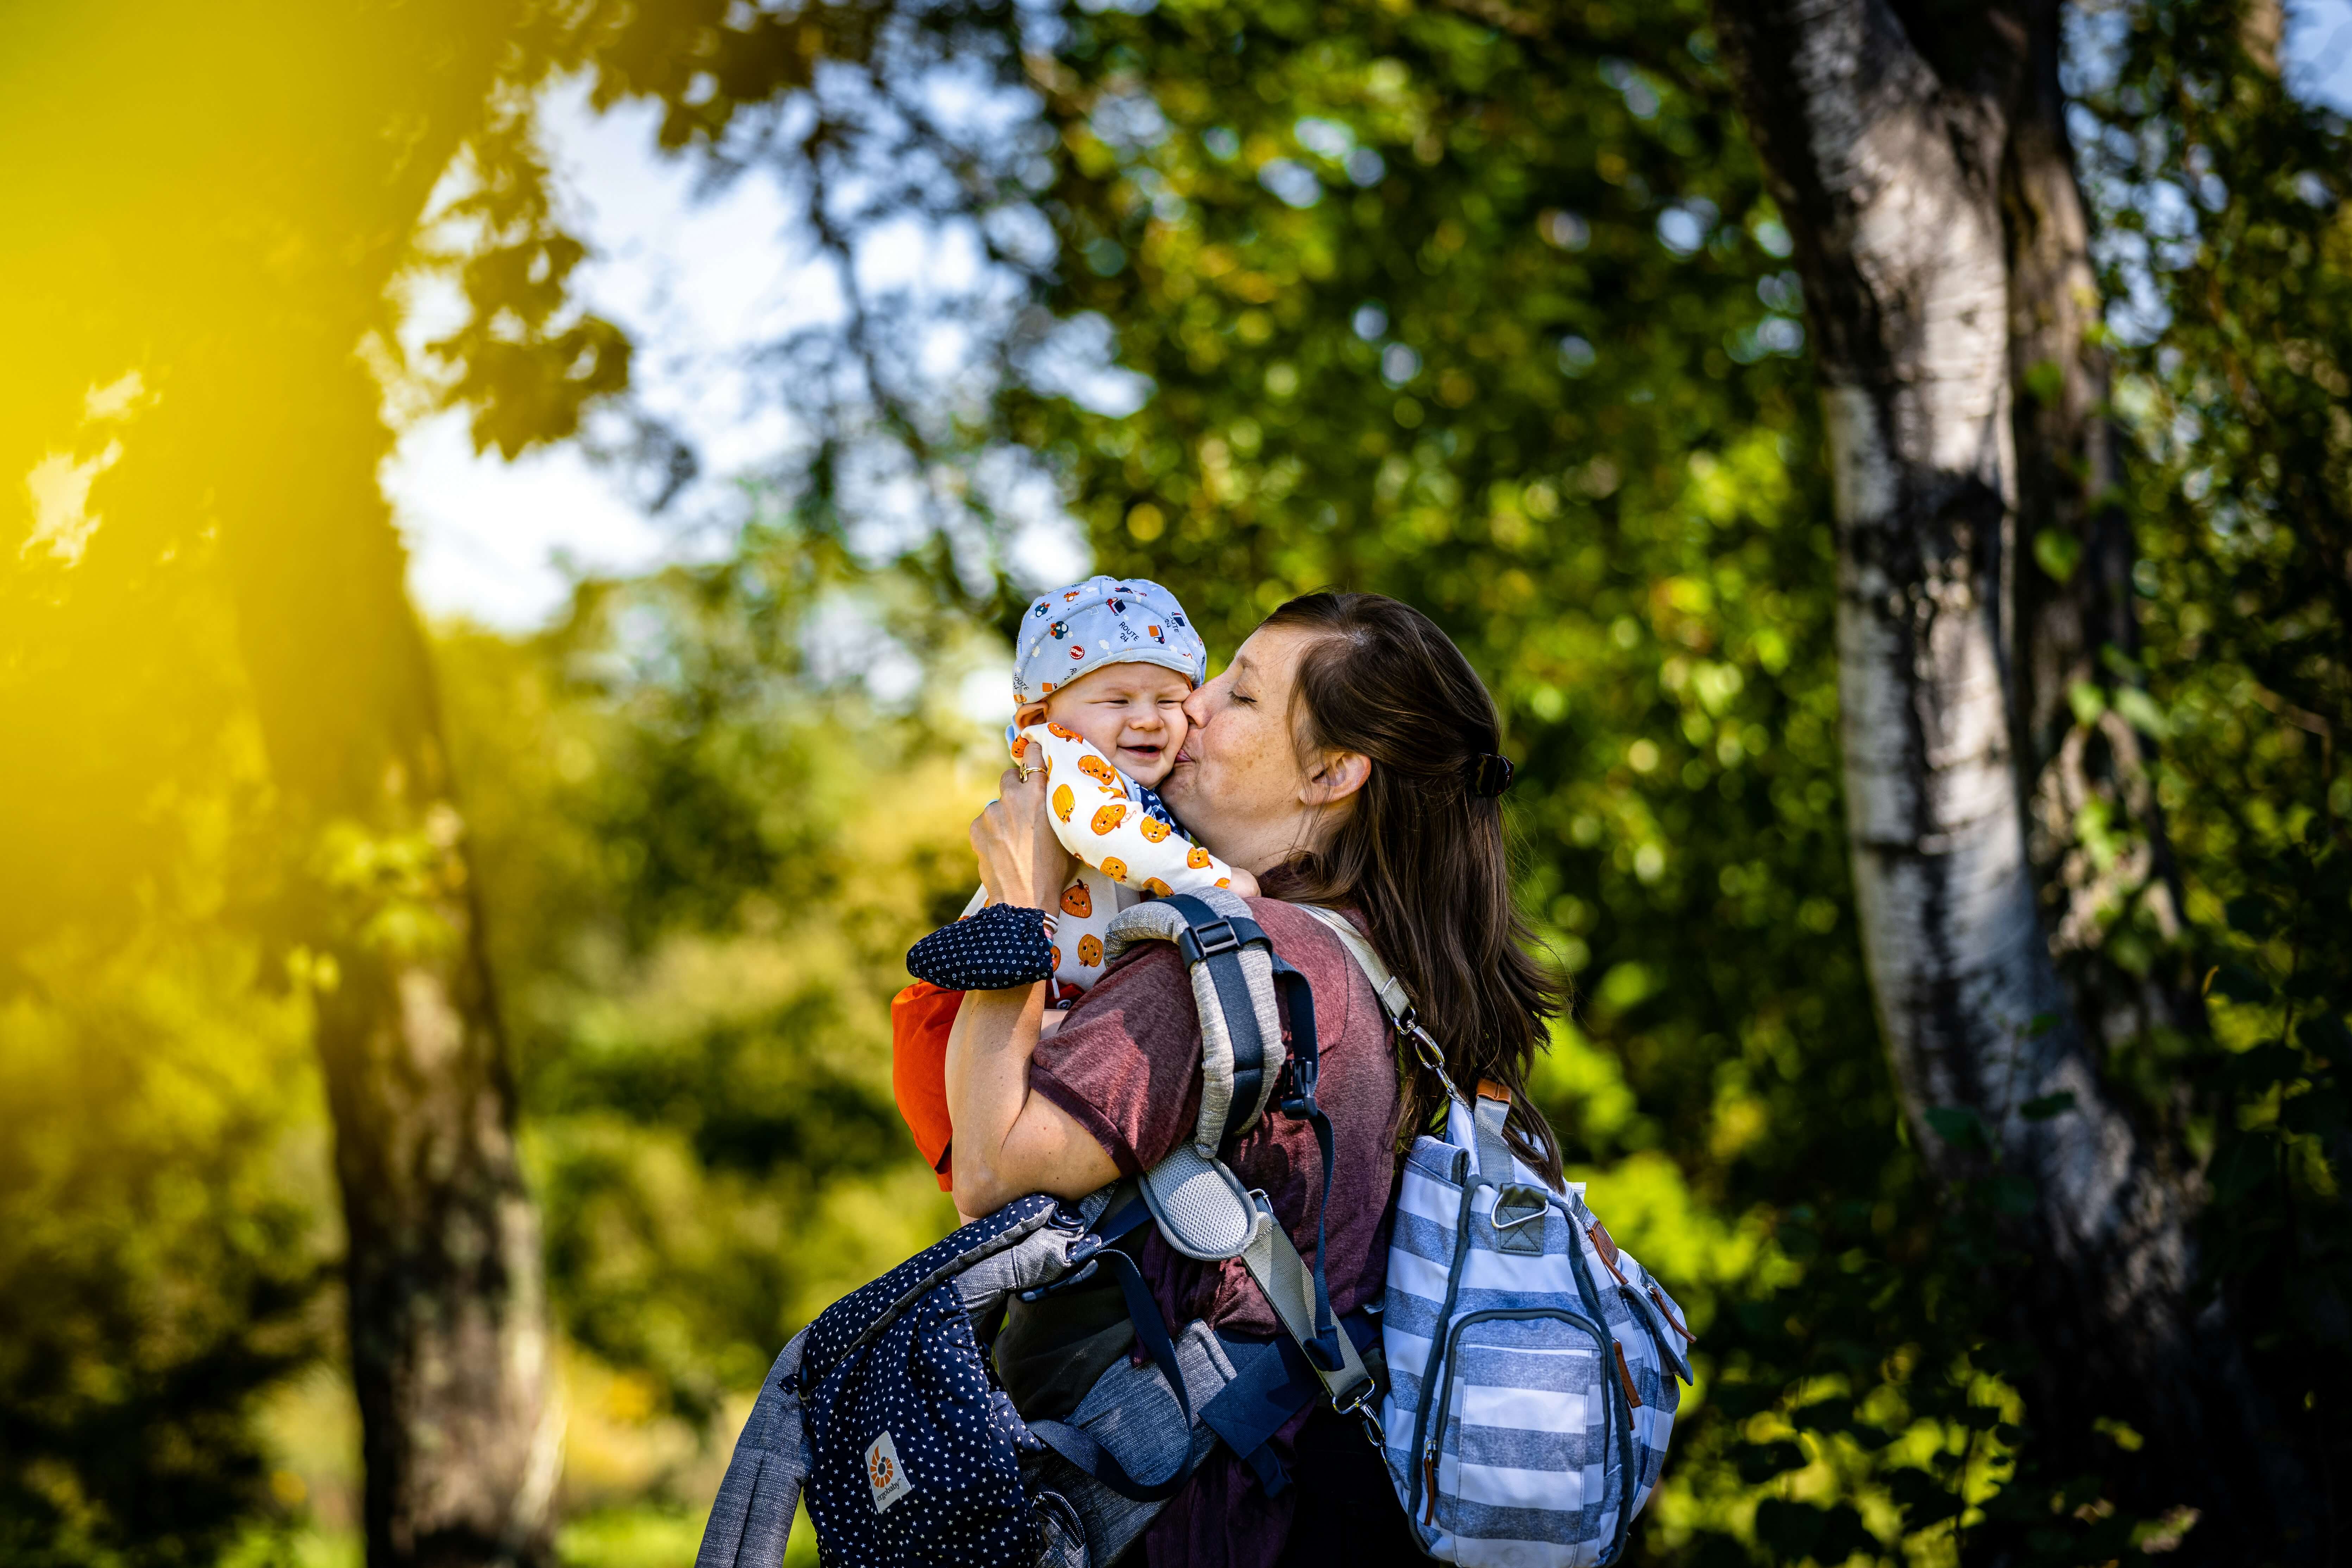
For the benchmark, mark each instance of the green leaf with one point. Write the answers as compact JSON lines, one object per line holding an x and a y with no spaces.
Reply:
{"x":2057,"y":553}
{"x":2045,"y":380}
{"x":1959,"y":1126}
{"x":1760,"y":1462}
{"x":2140,"y":710}
{"x":2047,"y":1105}
{"x":2087,"y":701}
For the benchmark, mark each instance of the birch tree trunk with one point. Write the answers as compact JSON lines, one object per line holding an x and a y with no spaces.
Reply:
{"x":1920,"y":160}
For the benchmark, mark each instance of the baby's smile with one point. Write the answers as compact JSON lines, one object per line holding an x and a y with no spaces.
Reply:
{"x":1141,"y":758}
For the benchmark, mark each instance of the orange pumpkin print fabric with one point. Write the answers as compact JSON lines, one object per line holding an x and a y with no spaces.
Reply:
{"x":1123,"y":851}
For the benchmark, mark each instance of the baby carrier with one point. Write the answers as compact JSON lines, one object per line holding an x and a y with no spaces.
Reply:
{"x":921,"y":1431}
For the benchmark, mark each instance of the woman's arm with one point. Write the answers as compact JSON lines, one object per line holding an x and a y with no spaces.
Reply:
{"x":1008,"y":1141}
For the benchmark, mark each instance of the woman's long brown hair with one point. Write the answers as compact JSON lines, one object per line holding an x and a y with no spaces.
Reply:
{"x":1422,"y":856}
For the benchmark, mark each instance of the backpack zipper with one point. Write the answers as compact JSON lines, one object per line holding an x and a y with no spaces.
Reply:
{"x":1429,"y":1384}
{"x":1627,"y":1474}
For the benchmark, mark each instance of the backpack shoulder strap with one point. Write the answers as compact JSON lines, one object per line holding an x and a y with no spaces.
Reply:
{"x":1385,"y":984}
{"x":1493,"y":1106}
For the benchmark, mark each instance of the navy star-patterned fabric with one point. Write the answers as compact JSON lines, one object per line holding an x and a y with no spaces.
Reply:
{"x":917,"y":1450}
{"x":996,"y":947}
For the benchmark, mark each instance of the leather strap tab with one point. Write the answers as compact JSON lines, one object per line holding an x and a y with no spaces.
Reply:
{"x":1489,"y":1089}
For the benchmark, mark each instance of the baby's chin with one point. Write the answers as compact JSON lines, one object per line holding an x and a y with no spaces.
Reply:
{"x":1150,"y":775}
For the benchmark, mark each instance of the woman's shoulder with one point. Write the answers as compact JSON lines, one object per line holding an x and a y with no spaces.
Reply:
{"x":1309,"y":946}
{"x":1279,"y":919}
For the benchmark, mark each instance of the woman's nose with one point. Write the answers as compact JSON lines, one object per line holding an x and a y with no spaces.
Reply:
{"x":1196,"y":707}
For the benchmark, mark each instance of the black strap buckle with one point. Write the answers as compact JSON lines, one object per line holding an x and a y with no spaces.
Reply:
{"x":1208,"y":940}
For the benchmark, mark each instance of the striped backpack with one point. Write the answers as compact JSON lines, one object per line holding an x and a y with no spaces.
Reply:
{"x":1533,"y":1362}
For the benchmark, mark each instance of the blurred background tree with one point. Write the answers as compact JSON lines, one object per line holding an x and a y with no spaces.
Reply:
{"x":1488,"y":306}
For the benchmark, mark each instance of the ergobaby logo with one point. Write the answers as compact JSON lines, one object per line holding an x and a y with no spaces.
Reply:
{"x":885,"y":1474}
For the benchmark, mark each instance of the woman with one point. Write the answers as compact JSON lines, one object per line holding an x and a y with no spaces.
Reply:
{"x":1347,"y":758}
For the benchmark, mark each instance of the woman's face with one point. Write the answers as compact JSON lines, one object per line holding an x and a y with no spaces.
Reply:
{"x":1238,"y":783}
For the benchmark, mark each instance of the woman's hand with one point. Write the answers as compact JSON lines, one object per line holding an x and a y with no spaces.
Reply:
{"x":1020,"y":861}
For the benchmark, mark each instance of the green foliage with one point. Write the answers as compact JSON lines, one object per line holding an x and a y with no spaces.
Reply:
{"x":161,"y":1168}
{"x":703,"y":857}
{"x":2227,"y":200}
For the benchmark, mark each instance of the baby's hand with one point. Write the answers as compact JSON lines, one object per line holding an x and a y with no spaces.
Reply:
{"x":1243,"y":883}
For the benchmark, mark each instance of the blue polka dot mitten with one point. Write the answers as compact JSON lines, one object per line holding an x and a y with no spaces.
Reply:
{"x":997,"y":947}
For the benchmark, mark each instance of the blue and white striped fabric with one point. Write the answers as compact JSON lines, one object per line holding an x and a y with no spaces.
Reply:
{"x":1533,"y":1364}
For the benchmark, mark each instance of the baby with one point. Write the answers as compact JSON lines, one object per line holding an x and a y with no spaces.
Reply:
{"x":1100,"y":676}
{"x":1102,"y":683}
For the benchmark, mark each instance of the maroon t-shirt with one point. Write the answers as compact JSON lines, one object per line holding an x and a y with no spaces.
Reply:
{"x":1126,"y":1066}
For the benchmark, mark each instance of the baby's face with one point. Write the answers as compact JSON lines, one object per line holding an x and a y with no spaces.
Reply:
{"x":1132,"y":713}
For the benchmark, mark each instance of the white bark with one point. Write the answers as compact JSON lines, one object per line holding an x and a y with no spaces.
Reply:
{"x":1917,"y":409}
{"x":1889,"y":157}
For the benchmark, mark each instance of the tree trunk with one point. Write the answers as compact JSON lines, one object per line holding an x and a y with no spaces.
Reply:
{"x":461,"y":1426}
{"x":224,"y":195}
{"x":1920,"y":160}
{"x":447,"y":1321}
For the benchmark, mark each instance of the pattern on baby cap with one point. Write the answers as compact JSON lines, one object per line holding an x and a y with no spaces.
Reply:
{"x":1103,"y":620}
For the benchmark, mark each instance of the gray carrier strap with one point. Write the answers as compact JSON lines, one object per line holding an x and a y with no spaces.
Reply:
{"x":1487,"y":1113}
{"x":1241,"y":1052}
{"x":1200,"y":1208}
{"x":752,"y":1517}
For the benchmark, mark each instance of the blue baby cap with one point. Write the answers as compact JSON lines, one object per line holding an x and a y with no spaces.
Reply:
{"x":1103,"y":620}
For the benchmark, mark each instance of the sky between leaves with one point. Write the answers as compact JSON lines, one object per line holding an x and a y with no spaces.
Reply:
{"x":700,"y":279}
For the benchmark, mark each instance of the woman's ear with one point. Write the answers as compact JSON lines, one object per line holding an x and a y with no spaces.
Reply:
{"x":1336,"y":776}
